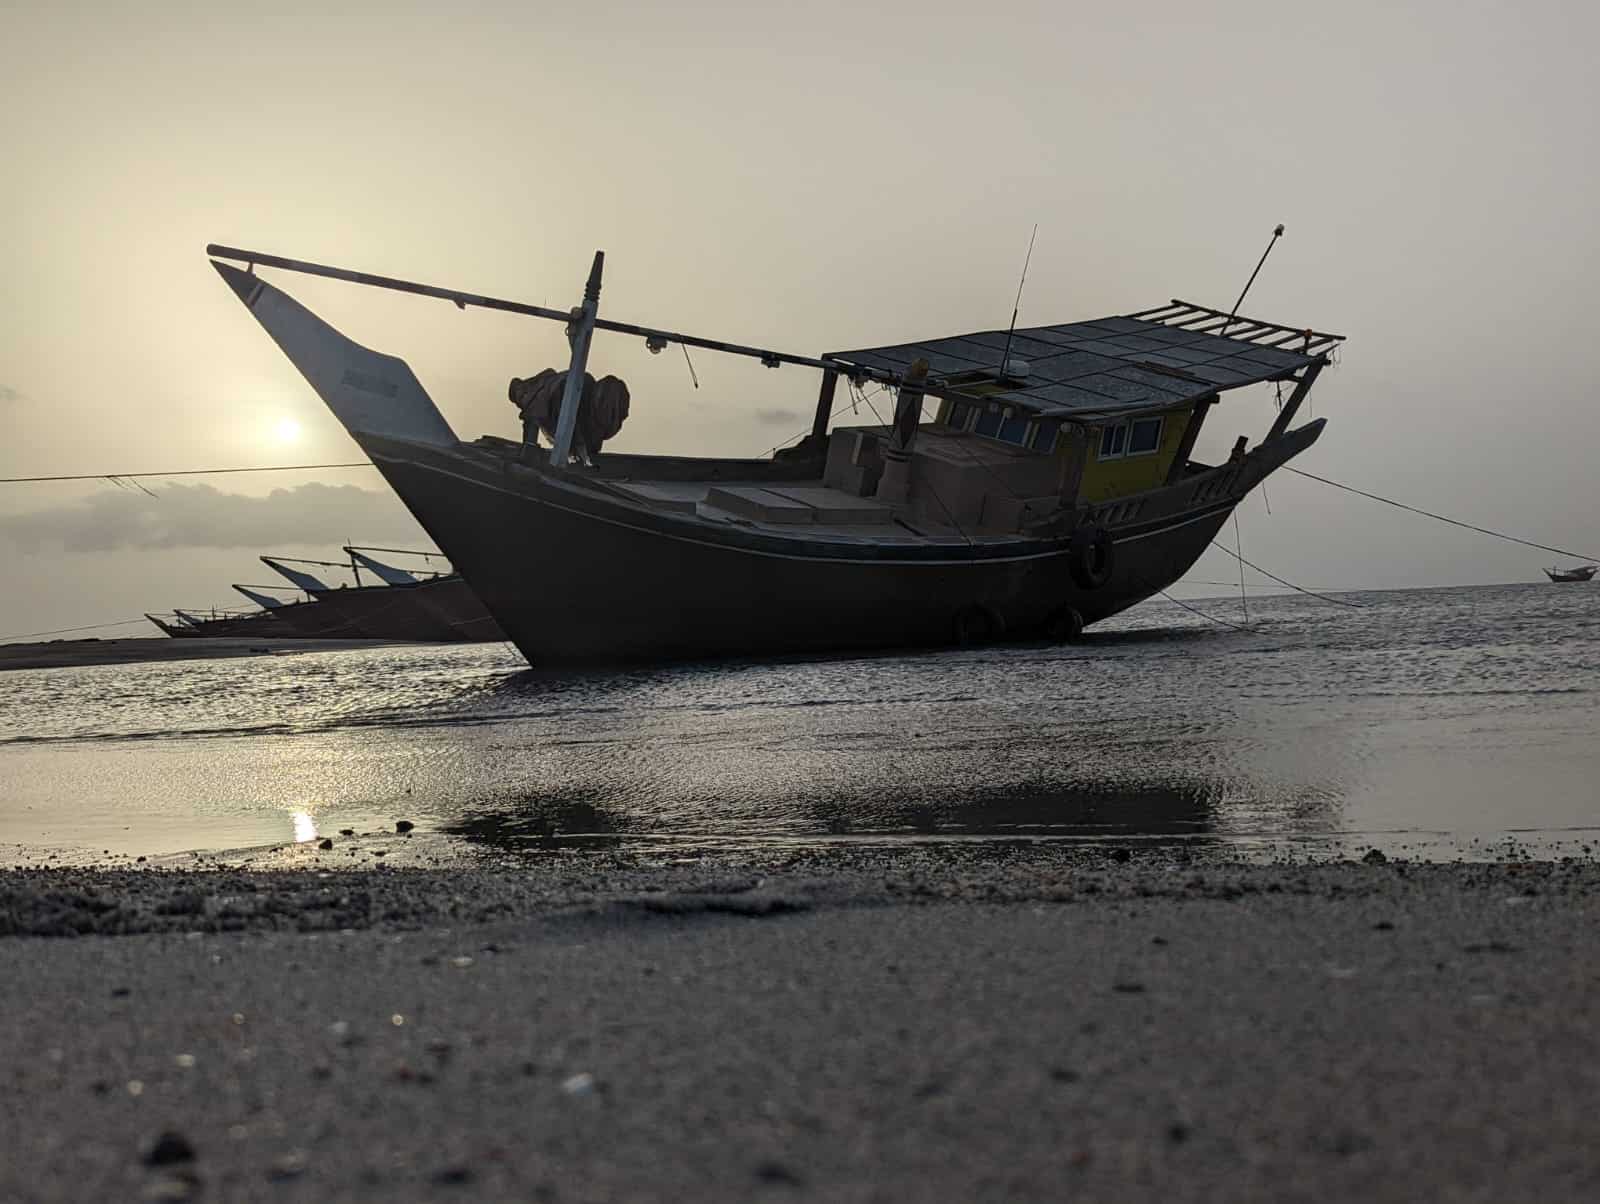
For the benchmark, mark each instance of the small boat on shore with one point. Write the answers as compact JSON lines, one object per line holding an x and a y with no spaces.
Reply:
{"x":1053,"y":487}
{"x":1561,"y":576}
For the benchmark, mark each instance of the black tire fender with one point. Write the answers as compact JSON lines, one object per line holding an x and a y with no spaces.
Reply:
{"x":1064,"y":625}
{"x":976,"y":625}
{"x":1091,"y":555}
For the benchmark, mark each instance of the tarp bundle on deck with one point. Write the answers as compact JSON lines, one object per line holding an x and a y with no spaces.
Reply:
{"x":601,"y":412}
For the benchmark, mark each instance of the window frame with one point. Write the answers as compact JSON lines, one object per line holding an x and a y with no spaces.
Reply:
{"x":1109,"y":433}
{"x":1161,"y":430}
{"x":1120,"y":435}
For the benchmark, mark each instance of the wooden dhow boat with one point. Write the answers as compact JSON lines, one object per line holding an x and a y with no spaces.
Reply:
{"x":1568,"y":576}
{"x":438,"y":608}
{"x":1053,"y":486}
{"x":190,"y":625}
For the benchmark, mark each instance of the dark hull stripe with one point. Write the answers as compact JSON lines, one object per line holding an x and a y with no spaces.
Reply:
{"x":980,"y":553}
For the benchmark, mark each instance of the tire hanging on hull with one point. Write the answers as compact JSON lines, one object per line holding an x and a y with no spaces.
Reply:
{"x":975,"y":625}
{"x":1064,"y":625}
{"x":1092,"y":556}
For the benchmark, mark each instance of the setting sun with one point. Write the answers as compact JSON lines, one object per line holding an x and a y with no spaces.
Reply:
{"x":287,"y":430}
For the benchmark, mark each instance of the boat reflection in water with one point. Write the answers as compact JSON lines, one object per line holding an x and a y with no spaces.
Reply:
{"x":1186,"y":815}
{"x":1416,"y":715}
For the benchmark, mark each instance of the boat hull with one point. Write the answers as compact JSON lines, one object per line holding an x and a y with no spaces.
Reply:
{"x":576,"y":578}
{"x":382,"y":612}
{"x":451,"y":602}
{"x":264,"y":625}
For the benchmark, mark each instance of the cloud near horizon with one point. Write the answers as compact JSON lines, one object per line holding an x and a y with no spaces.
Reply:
{"x":202,"y":516}
{"x":775,"y":415}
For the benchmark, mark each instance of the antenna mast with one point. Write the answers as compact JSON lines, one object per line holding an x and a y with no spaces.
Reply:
{"x":1005,"y":356}
{"x":1277,"y":233}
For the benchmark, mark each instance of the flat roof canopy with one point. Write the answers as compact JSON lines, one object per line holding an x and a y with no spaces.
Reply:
{"x":1110,"y":367}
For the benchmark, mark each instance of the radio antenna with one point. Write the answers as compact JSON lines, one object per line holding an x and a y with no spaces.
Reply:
{"x":1005,"y":356}
{"x":1277,"y":233}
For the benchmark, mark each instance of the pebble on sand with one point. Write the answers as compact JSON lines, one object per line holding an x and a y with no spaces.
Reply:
{"x":169,"y":1149}
{"x":403,"y":826}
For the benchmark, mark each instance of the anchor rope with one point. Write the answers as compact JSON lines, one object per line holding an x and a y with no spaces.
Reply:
{"x":1454,"y":522}
{"x":114,"y":477}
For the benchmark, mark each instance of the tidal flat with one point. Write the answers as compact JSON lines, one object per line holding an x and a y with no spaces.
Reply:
{"x":1175,"y":912}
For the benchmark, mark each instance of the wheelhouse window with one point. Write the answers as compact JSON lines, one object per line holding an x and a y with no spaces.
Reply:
{"x":961,"y":413}
{"x":1136,"y":437}
{"x":1114,"y":441}
{"x":1144,"y":436}
{"x":1009,"y":424}
{"x":1014,"y":427}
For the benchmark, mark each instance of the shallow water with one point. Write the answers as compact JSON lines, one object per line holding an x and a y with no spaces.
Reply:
{"x":1432,"y":722}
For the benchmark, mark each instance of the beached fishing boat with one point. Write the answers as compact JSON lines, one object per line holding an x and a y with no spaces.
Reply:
{"x":445,"y":596}
{"x":183,"y":624}
{"x":1576,"y":574}
{"x":302,"y":618}
{"x":440,"y":608}
{"x":173,"y":625}
{"x":1053,"y":485}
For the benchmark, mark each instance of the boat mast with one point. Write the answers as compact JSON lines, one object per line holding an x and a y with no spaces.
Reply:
{"x":581,"y":332}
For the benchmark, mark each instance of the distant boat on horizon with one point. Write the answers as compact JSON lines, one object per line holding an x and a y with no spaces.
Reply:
{"x":1578,"y":574}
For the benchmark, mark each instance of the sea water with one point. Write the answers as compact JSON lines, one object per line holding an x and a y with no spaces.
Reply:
{"x":1437,"y":723}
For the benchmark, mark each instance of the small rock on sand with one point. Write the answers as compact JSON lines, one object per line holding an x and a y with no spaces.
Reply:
{"x":169,"y":1149}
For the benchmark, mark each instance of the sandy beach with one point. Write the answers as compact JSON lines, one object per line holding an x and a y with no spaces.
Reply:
{"x":1005,"y":1023}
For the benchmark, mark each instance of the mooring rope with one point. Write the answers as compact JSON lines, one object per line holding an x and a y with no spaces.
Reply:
{"x":28,"y":635}
{"x":114,"y":477}
{"x":1454,"y":522}
{"x":1300,"y":589}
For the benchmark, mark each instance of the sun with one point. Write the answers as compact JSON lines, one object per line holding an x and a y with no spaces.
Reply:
{"x":287,"y":430}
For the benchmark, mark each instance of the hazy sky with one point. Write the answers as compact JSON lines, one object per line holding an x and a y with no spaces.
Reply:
{"x":809,"y":176}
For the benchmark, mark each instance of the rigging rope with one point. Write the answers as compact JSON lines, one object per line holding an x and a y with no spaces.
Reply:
{"x":1454,"y":522}
{"x":1244,"y":598}
{"x":1201,"y":613}
{"x":183,"y":472}
{"x":1301,"y":589}
{"x":28,"y":635}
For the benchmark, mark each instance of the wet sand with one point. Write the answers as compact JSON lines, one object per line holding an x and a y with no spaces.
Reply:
{"x":58,"y":654}
{"x":998,"y":1023}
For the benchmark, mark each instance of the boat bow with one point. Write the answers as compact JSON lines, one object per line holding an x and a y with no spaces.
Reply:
{"x":369,"y":392}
